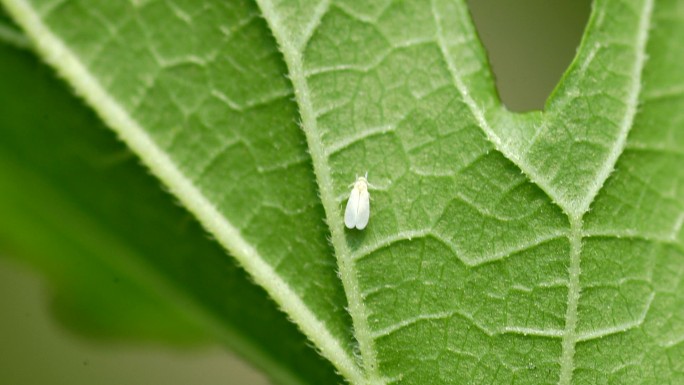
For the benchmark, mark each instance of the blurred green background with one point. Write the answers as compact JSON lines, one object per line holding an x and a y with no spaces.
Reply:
{"x":530,"y":43}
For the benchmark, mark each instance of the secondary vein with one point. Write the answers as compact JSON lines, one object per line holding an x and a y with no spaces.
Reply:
{"x":69,"y":65}
{"x":630,"y":113}
{"x":479,"y":114}
{"x":570,"y":332}
{"x":293,"y":58}
{"x":570,"y":337}
{"x":13,"y":37}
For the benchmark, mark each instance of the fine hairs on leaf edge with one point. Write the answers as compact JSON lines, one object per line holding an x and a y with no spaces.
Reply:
{"x":68,"y":66}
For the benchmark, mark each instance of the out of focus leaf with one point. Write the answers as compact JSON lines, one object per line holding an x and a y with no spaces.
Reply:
{"x":125,"y":261}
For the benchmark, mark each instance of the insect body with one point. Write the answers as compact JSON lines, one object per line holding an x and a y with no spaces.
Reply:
{"x":358,"y":206}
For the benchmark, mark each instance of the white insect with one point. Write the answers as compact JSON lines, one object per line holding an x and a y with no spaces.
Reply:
{"x":358,"y":206}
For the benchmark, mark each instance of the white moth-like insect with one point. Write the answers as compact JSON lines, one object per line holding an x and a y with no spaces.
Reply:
{"x":358,"y":206}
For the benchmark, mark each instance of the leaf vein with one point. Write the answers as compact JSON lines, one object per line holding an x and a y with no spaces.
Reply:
{"x":629,"y":115}
{"x":294,"y":60}
{"x":70,"y":66}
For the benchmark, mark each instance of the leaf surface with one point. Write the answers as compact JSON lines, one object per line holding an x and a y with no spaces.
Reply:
{"x":197,"y":90}
{"x":473,"y":272}
{"x":541,"y":248}
{"x":124,"y":261}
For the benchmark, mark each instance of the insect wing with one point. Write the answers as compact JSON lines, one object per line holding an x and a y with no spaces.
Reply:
{"x":363,"y":211}
{"x":350,"y":213}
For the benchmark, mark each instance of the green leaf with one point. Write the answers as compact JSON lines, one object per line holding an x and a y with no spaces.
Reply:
{"x":10,"y":34}
{"x":124,"y":260}
{"x":503,"y":248}
{"x":180,"y":86}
